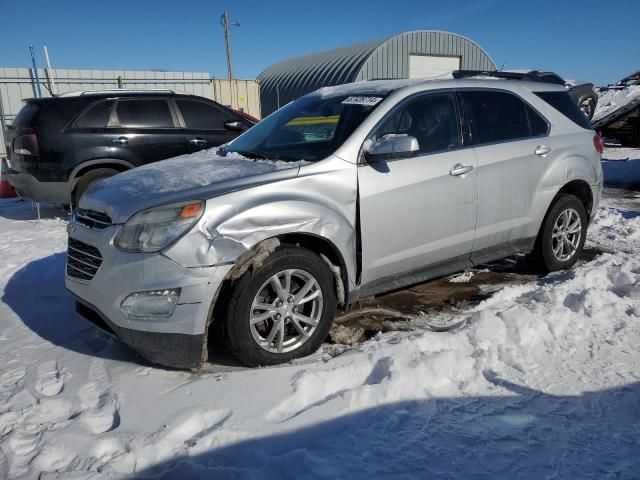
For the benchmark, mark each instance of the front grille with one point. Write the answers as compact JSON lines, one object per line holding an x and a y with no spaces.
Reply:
{"x":92,"y":219}
{"x":83,"y":260}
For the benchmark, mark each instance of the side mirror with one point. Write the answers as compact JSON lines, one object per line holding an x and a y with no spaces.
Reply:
{"x":235,"y":125}
{"x":392,"y":146}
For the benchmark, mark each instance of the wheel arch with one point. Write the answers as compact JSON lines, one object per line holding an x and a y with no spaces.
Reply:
{"x":85,"y":167}
{"x":580,"y":189}
{"x":322,"y":246}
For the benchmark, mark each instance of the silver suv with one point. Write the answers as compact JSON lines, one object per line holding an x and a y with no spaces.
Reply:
{"x":345,"y":193}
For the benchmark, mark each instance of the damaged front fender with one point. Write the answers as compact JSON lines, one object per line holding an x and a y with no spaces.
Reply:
{"x":320,"y":201}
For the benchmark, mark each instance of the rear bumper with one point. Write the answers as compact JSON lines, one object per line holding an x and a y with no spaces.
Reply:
{"x":175,"y":350}
{"x":28,"y":186}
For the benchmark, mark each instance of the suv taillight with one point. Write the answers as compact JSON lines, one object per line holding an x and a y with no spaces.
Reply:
{"x":598,"y":142}
{"x":26,"y":144}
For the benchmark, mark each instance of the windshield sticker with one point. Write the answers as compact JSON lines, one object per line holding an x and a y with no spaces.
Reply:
{"x":362,"y":100}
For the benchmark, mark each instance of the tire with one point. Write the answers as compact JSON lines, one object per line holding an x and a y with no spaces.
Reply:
{"x":251,"y":345}
{"x":87,"y":179}
{"x":588,"y":106}
{"x":550,"y":252}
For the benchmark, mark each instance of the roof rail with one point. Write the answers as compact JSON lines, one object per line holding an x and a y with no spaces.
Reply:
{"x":114,"y":90}
{"x":532,"y":76}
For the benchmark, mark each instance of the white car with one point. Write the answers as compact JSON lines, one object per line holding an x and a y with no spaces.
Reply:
{"x":345,"y":193}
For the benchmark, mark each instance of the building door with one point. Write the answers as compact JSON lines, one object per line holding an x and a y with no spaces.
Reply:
{"x":427,"y":66}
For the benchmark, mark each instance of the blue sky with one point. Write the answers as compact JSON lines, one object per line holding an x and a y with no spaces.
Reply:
{"x":583,"y":39}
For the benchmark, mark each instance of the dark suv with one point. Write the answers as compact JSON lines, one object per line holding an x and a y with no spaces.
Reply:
{"x":58,"y":146}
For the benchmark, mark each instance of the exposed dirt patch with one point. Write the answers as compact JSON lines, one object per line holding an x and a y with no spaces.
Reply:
{"x":397,"y":311}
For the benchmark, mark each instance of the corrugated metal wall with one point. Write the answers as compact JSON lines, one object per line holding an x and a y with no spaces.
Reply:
{"x":288,"y":80}
{"x":17,"y":84}
{"x":246,"y":94}
{"x":384,"y":58}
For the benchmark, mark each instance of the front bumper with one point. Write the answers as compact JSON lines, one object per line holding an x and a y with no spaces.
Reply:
{"x":174,"y":341}
{"x":173,"y":350}
{"x":28,"y":186}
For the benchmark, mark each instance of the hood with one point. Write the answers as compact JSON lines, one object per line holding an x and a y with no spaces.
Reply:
{"x":196,"y":176}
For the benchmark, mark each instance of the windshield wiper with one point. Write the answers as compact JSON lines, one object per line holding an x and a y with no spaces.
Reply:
{"x":250,"y":154}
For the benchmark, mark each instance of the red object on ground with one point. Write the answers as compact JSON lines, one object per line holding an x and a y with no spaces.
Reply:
{"x":6,"y":190}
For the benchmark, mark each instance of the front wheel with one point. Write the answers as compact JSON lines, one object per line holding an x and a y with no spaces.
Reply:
{"x":282,"y":310}
{"x":562,"y":234}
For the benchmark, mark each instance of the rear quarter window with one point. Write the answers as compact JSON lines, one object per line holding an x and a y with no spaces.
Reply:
{"x":96,"y":116}
{"x":565,"y":104}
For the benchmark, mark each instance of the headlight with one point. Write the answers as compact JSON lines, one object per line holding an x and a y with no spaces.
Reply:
{"x":152,"y":230}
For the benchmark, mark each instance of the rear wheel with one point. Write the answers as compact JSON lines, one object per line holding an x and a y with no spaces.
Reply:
{"x":281,"y":310}
{"x":87,"y":179}
{"x":562,"y":234}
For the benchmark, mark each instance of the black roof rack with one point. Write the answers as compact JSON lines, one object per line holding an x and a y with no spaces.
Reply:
{"x":532,"y":76}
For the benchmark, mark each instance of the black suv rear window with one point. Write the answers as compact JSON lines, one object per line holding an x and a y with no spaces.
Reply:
{"x":96,"y":116}
{"x":144,"y":114}
{"x":565,"y":104}
{"x":27,"y":116}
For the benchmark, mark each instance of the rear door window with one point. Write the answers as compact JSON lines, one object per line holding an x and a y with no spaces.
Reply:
{"x":495,"y":116}
{"x":202,"y":116}
{"x":96,"y":116}
{"x":144,"y":114}
{"x":432,"y":119}
{"x":565,"y":104}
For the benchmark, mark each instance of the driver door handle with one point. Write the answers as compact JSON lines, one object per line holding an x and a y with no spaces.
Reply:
{"x":460,"y":169}
{"x":120,"y":140}
{"x":198,"y":141}
{"x":542,"y":150}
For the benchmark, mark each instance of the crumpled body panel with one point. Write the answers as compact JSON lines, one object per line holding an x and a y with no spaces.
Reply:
{"x":320,"y":200}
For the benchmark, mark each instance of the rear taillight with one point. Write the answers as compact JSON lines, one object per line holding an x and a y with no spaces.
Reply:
{"x":598,"y":142}
{"x":26,"y":144}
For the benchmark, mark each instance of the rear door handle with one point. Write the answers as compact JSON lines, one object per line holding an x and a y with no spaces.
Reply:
{"x":120,"y":140}
{"x":542,"y":150}
{"x":460,"y":169}
{"x":198,"y":141}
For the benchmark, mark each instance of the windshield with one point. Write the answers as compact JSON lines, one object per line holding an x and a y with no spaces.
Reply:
{"x":311,"y":128}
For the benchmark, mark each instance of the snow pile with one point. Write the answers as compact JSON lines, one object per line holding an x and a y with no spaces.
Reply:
{"x":612,"y":99}
{"x":540,"y":380}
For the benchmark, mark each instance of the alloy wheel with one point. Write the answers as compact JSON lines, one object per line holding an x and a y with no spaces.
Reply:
{"x":286,"y":311}
{"x":566,"y":235}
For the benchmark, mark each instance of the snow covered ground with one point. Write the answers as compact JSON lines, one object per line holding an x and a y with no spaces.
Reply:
{"x":542,"y":380}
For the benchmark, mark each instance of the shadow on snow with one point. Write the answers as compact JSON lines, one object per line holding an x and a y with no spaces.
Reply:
{"x":37,"y":294}
{"x":522,"y":434}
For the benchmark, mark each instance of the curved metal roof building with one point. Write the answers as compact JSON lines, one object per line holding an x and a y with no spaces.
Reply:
{"x":416,"y":54}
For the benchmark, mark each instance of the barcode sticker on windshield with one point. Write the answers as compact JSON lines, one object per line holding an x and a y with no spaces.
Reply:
{"x":362,"y":100}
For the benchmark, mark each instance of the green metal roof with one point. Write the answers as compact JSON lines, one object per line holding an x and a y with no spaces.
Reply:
{"x":383,"y":58}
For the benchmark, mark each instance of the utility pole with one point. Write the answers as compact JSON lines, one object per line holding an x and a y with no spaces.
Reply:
{"x":52,"y":80}
{"x":35,"y":71}
{"x":224,"y":21}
